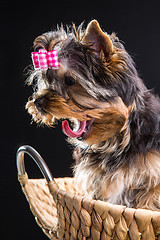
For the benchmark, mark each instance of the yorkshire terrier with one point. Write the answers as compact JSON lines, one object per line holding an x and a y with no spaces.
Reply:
{"x":108,"y":114}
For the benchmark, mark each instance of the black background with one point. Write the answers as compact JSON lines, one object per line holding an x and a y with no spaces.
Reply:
{"x":135,"y":22}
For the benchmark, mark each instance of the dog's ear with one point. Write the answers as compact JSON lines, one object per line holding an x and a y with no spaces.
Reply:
{"x":99,"y":40}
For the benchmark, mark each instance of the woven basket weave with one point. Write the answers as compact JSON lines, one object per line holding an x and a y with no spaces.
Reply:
{"x":64,"y":213}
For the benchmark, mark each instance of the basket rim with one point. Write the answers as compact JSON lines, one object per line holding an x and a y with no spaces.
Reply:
{"x":52,"y":184}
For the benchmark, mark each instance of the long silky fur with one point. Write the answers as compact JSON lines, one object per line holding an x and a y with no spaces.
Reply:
{"x":120,"y":161}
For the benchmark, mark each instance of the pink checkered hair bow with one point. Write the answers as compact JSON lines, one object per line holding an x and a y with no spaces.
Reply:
{"x":45,"y":59}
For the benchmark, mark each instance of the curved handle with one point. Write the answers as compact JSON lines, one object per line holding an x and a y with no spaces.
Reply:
{"x":36,"y":157}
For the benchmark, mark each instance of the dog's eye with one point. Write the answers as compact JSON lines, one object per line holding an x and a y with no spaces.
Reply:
{"x":69,"y":81}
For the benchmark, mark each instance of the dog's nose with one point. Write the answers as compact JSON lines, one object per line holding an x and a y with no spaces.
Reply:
{"x":39,"y":103}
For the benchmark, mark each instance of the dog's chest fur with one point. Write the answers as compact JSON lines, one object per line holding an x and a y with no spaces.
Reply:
{"x":129,"y":185}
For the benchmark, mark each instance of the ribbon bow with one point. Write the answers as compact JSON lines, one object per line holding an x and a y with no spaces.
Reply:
{"x":45,"y":59}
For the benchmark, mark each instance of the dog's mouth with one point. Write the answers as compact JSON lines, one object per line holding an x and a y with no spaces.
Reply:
{"x":81,"y":131}
{"x":71,"y":127}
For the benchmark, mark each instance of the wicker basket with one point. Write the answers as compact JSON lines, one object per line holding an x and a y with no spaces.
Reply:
{"x":63,"y":213}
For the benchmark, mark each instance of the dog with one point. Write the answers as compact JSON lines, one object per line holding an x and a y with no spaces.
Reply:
{"x":111,"y":119}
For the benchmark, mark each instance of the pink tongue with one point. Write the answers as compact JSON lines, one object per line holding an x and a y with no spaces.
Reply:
{"x":69,"y":132}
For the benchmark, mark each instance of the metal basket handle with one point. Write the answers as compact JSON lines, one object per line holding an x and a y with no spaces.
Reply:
{"x":36,"y":157}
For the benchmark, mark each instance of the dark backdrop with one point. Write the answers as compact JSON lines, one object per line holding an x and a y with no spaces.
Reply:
{"x":136,"y":23}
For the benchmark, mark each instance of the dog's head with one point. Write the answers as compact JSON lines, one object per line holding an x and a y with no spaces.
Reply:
{"x":95,"y":85}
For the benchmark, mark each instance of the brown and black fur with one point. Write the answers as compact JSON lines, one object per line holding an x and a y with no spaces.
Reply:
{"x":119,"y":160}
